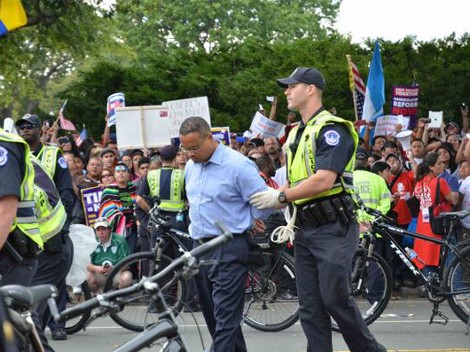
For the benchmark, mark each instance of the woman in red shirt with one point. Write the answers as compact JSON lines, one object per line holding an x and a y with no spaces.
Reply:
{"x":425,"y":190}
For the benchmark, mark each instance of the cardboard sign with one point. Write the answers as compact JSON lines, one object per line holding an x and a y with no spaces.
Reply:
{"x":184,"y":108}
{"x":222,"y":134}
{"x":263,"y":127}
{"x":385,"y":125}
{"x":115,"y":100}
{"x":142,"y":127}
{"x":91,"y":198}
{"x":436,"y":119}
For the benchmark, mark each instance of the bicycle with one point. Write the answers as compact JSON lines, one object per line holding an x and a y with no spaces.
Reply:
{"x":451,"y":283}
{"x":140,"y":311}
{"x":271,"y":302}
{"x":78,"y":323}
{"x":166,"y":327}
{"x":20,"y":300}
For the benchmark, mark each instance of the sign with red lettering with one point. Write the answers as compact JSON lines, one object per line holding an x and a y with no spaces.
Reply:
{"x":405,"y":101}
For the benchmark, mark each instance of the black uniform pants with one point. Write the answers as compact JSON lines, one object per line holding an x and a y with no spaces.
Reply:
{"x":221,"y":290}
{"x":323,"y":258}
{"x":52,"y":269}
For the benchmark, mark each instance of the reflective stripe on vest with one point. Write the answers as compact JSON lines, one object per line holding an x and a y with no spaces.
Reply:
{"x":302,"y":165}
{"x":176,"y":202}
{"x":25,"y":219}
{"x":50,"y":211}
{"x":48,"y":157}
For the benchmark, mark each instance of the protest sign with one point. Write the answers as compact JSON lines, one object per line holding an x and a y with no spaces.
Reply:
{"x":436,"y":119}
{"x":261,"y":126}
{"x":115,"y":100}
{"x":405,"y":102}
{"x":385,"y":125}
{"x":181,"y":109}
{"x":221,"y":134}
{"x":91,"y":198}
{"x":142,"y":127}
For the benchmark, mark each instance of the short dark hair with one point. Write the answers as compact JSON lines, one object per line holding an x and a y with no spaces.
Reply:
{"x":379,"y":166}
{"x":144,"y":160}
{"x":195,"y":124}
{"x":263,"y":162}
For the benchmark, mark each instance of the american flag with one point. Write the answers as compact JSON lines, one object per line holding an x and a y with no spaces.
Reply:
{"x":357,"y":87}
{"x":64,"y":123}
{"x":83,"y":135}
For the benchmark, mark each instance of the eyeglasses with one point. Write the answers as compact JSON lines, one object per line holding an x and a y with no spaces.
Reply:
{"x":193,"y":149}
{"x":27,"y":127}
{"x":108,"y":175}
{"x":120,"y":168}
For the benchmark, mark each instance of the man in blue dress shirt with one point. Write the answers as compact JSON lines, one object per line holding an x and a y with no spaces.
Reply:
{"x":219,"y":183}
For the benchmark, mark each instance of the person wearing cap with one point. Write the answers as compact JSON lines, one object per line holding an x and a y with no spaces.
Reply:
{"x":108,"y":157}
{"x":219,"y":183}
{"x":111,"y":249}
{"x":117,"y":204}
{"x":320,"y":164}
{"x":52,"y":159}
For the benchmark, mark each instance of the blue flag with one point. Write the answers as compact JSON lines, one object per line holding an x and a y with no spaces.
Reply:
{"x":375,"y":90}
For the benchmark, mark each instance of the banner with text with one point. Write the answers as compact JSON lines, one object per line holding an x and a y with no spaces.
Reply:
{"x":184,"y":108}
{"x":115,"y":100}
{"x":263,"y":127}
{"x":405,"y":102}
{"x":91,"y":203}
{"x":385,"y":125}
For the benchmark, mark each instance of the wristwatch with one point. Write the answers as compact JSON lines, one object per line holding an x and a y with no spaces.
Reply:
{"x":282,"y":198}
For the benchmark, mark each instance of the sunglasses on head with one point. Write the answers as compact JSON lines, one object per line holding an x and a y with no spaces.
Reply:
{"x":27,"y":127}
{"x":120,"y":168}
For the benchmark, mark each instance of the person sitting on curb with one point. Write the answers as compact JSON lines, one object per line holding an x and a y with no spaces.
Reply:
{"x":111,"y":249}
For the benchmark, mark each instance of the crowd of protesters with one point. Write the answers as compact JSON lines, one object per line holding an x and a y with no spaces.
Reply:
{"x":435,"y":155}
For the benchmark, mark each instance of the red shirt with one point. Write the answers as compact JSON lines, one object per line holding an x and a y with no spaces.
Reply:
{"x":403,"y":185}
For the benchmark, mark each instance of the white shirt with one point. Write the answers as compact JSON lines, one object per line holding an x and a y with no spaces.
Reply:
{"x":465,"y":191}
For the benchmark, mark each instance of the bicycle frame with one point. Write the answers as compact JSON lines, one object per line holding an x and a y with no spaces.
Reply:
{"x":385,"y":230}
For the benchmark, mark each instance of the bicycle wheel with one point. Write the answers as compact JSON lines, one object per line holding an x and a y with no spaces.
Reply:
{"x":457,"y":282}
{"x":271,"y":302}
{"x":370,"y":286}
{"x":139,"y":310}
{"x":76,"y":324}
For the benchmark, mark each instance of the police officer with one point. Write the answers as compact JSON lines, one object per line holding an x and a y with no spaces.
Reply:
{"x":320,"y":162}
{"x":54,"y":262}
{"x":167,"y":184}
{"x":20,"y":239}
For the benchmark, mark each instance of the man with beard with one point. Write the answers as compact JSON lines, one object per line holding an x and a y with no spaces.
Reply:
{"x":271,"y":146}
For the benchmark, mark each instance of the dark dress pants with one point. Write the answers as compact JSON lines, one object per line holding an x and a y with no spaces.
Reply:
{"x":221,"y":290}
{"x":323,"y":258}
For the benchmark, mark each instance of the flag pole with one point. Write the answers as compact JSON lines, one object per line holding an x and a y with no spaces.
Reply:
{"x":351,"y":85}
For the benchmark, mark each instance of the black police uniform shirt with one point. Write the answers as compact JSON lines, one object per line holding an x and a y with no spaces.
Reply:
{"x":334,"y":148}
{"x":12,"y":168}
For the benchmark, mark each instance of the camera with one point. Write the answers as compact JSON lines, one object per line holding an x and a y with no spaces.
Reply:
{"x":64,"y":140}
{"x":426,"y":120}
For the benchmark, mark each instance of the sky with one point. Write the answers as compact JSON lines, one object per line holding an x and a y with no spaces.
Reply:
{"x":394,"y":19}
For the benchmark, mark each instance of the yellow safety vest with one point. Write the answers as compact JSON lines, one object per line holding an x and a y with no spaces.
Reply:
{"x":302,"y":165}
{"x":48,"y":158}
{"x":25,"y":219}
{"x":176,"y":201}
{"x":50,"y":211}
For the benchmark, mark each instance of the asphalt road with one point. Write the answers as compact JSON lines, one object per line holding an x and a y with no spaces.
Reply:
{"x":404,"y":326}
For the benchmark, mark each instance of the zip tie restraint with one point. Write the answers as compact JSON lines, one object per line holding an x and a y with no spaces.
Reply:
{"x":285,"y":233}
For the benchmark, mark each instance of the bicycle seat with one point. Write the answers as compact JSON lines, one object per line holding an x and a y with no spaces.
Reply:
{"x":24,"y":298}
{"x":453,"y":215}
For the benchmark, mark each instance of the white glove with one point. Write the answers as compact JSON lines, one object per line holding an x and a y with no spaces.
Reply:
{"x":266,"y":199}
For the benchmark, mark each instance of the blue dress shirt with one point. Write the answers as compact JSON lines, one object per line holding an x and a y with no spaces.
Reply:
{"x":220,"y":190}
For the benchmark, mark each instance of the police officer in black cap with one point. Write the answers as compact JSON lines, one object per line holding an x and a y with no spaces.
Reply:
{"x":55,"y":260}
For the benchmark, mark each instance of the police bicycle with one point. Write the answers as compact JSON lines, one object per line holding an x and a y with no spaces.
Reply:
{"x":371,"y":279}
{"x":164,"y":332}
{"x":20,"y":301}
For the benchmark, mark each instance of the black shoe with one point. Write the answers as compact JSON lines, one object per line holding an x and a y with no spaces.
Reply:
{"x":381,"y":348}
{"x":59,"y":334}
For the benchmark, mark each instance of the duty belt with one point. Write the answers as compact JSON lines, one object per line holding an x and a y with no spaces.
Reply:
{"x":328,"y":210}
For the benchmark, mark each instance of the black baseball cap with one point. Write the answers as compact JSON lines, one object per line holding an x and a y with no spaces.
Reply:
{"x":28,"y":118}
{"x":303,"y":75}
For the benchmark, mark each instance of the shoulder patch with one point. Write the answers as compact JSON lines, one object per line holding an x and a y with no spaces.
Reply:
{"x":3,"y":156}
{"x":62,"y":162}
{"x":331,"y":138}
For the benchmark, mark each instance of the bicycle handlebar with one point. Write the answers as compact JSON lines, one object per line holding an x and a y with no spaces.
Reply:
{"x":113,"y":295}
